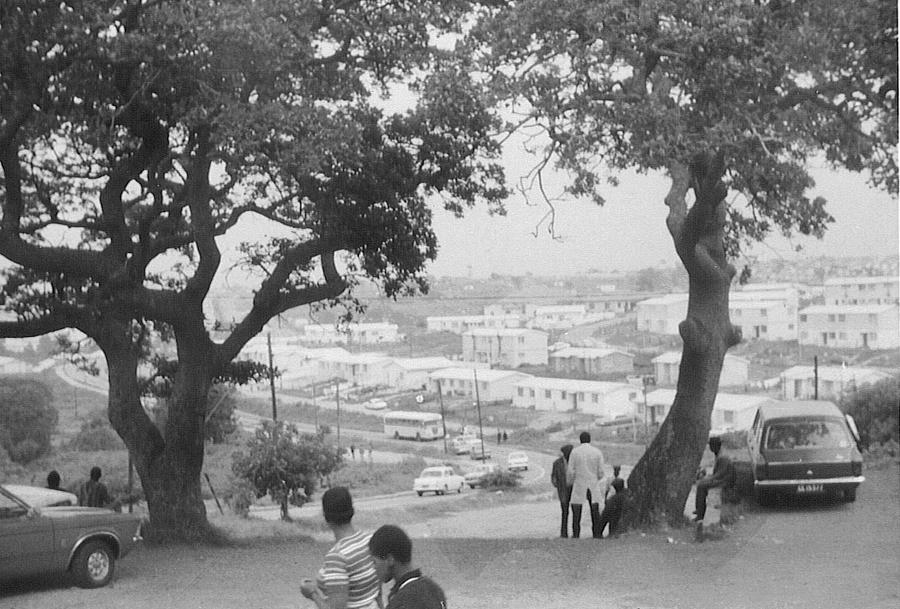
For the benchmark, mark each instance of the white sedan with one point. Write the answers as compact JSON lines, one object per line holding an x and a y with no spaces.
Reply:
{"x":38,"y":496}
{"x":439,"y":480}
{"x":516,"y":461}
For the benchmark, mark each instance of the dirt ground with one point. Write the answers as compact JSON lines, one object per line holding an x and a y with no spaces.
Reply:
{"x":812,"y":554}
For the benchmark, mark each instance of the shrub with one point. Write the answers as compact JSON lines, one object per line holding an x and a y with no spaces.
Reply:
{"x":240,"y":497}
{"x":96,"y":434}
{"x":501,"y":479}
{"x":554,"y":427}
{"x":221,"y":423}
{"x":27,"y":419}
{"x":874,"y":408}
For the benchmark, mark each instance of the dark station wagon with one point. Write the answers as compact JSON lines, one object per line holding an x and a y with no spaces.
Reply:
{"x":804,"y":448}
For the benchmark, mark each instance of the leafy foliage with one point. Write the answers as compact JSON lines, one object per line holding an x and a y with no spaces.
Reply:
{"x":95,"y":434}
{"x":501,"y":479}
{"x":285,"y":464}
{"x":27,"y":418}
{"x":875,"y":410}
{"x":220,"y":419}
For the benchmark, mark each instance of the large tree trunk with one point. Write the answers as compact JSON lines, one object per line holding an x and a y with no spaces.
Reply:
{"x":661,"y":481}
{"x":168,"y":459}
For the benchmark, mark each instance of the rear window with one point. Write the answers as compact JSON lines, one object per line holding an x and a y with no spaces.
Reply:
{"x":785,"y":435}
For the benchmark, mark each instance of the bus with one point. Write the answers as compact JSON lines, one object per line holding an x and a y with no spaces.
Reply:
{"x":413,"y":425}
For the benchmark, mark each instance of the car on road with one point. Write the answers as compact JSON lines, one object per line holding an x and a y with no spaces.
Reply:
{"x":480,"y":451}
{"x":476,"y":476}
{"x":804,"y":448}
{"x":517,"y":461}
{"x":81,"y":541}
{"x":38,"y":496}
{"x":461,"y":445}
{"x":375,"y":404}
{"x":438,"y":479}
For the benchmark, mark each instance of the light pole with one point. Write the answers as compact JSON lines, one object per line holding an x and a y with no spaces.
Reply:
{"x":337,"y":395}
{"x":478,"y":406}
{"x":443,"y":420}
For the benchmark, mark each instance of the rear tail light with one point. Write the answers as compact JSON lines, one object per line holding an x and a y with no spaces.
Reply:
{"x":856,"y":468}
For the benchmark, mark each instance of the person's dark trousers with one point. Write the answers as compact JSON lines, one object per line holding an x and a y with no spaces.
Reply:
{"x":700,"y":501}
{"x":596,"y":530}
{"x":564,"y":520}
{"x":576,"y":520}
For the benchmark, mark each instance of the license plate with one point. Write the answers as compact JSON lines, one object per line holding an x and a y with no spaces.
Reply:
{"x":809,"y":488}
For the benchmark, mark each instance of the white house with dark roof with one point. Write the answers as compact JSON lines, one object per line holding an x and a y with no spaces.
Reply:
{"x":598,"y":398}
{"x":591,"y":361}
{"x":765,"y":314}
{"x":358,"y":369}
{"x":493,"y":385}
{"x":457,"y":324}
{"x":799,"y":382}
{"x":853,"y":326}
{"x":554,"y":317}
{"x":356,"y":333}
{"x":735,"y":369}
{"x":505,"y":347}
{"x":731,"y":411}
{"x":862,"y":290}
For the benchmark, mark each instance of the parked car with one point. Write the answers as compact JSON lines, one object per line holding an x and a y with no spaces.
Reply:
{"x":475,"y":477}
{"x":461,"y":445}
{"x":516,"y":461}
{"x":804,"y":448}
{"x":85,"y":542}
{"x":480,"y":451}
{"x":439,"y":480}
{"x":375,"y":404}
{"x":38,"y":496}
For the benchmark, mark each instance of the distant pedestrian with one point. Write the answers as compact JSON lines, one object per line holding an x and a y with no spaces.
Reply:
{"x":93,"y":493}
{"x":353,"y":452}
{"x":499,"y":437}
{"x":585,"y":473}
{"x":348,"y":579}
{"x":612,"y":511}
{"x":53,"y":480}
{"x":505,"y":437}
{"x":563,"y":488}
{"x":371,"y":458}
{"x":391,"y":550}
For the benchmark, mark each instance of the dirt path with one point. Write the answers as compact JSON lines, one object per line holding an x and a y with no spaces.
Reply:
{"x":813,"y":555}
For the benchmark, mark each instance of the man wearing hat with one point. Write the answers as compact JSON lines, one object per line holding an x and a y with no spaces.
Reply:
{"x":348,"y":579}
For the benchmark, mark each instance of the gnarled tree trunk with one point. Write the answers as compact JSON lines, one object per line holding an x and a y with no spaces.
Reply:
{"x":661,"y":481}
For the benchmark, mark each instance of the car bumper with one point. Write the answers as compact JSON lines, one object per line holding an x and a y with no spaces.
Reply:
{"x":825,"y":483}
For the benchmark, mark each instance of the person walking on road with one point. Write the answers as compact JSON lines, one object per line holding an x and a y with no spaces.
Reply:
{"x":563,"y":488}
{"x":585,"y":473}
{"x":391,"y":550}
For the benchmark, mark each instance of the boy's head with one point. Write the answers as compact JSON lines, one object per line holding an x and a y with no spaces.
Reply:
{"x":584,"y":437}
{"x":619,"y":485}
{"x":389,"y":546}
{"x":337,"y":505}
{"x":715,"y":444}
{"x":95,"y":473}
{"x":616,"y":470}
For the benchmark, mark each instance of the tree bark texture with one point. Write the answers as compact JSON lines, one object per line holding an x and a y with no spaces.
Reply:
{"x":661,"y":481}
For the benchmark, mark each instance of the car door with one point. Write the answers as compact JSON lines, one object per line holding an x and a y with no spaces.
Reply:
{"x":26,"y":540}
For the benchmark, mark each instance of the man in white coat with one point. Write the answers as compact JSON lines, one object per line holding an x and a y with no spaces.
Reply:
{"x":585,"y":474}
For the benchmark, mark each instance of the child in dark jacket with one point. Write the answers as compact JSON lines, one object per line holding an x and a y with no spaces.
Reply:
{"x":615,"y":505}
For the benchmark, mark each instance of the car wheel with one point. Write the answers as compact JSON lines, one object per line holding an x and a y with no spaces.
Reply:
{"x":420,"y":493}
{"x":459,"y":488}
{"x":765,"y":498}
{"x":526,"y":468}
{"x":850,"y":495}
{"x":471,"y":486}
{"x":94,"y":564}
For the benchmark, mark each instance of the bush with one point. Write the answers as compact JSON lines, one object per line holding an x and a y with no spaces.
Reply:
{"x":240,"y":497}
{"x":874,"y":408}
{"x":554,"y":427}
{"x":96,"y":434}
{"x":221,"y":422}
{"x":27,"y":419}
{"x":501,"y":479}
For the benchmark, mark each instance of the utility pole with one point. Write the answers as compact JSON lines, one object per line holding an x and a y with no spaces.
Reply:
{"x":478,"y":406}
{"x":337,"y":395}
{"x":272,"y":379}
{"x":815,"y":377}
{"x":443,"y":420}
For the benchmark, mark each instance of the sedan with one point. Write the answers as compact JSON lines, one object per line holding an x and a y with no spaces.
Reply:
{"x":38,"y":496}
{"x":439,"y":479}
{"x":81,"y":541}
{"x":517,"y":461}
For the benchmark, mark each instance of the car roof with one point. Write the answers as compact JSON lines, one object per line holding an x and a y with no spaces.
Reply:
{"x":799,"y":408}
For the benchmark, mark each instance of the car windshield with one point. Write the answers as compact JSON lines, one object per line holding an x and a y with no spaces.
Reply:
{"x":517,"y":456}
{"x":431,"y":473}
{"x":807,"y":434}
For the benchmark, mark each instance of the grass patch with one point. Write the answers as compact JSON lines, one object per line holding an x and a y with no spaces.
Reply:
{"x":366,"y":479}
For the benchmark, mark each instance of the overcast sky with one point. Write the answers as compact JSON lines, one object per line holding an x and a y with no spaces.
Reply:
{"x":629,"y":231}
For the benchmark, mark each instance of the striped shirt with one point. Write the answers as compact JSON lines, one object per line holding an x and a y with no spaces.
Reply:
{"x":348,"y":563}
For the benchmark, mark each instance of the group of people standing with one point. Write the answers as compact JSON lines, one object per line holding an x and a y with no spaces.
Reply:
{"x":578,"y":476}
{"x":91,"y":493}
{"x":358,"y":563}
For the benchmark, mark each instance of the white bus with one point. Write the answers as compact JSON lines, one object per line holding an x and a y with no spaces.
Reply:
{"x":413,"y":425}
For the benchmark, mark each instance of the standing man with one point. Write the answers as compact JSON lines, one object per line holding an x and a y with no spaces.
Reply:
{"x":722,"y":475}
{"x":563,"y":489}
{"x":585,"y":473}
{"x":93,"y":493}
{"x":391,"y":550}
